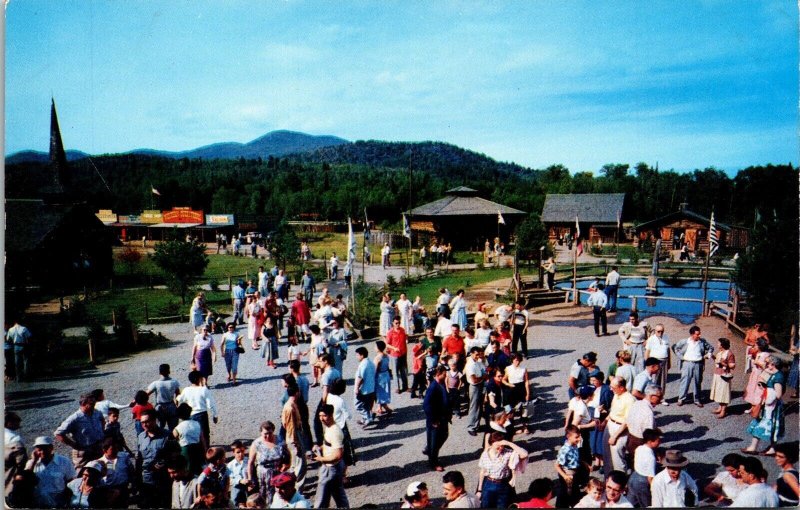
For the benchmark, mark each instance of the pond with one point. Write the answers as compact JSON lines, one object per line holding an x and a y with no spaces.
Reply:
{"x":684,"y":311}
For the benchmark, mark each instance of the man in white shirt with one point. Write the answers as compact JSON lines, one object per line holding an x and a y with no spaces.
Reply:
{"x":615,"y":486}
{"x":644,"y":469}
{"x":640,"y":418}
{"x":757,"y":494}
{"x":724,"y":488}
{"x":657,"y":346}
{"x":184,"y":485}
{"x":334,"y":266}
{"x":199,"y":398}
{"x":166,"y":389}
{"x":263,"y":281}
{"x":475,"y":372}
{"x":612,"y":286}
{"x":443,"y":327}
{"x":633,"y":334}
{"x":503,"y":313}
{"x":385,"y":252}
{"x":454,"y":492}
{"x":53,"y":472}
{"x":692,"y":353}
{"x":670,"y":487}
{"x":598,"y":301}
{"x":330,"y":482}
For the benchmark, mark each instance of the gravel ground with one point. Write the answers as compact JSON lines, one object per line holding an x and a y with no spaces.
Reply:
{"x":390,"y":454}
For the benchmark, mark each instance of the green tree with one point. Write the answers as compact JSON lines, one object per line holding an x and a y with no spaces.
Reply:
{"x":182,"y":263}
{"x":530,"y":236}
{"x":284,"y":245}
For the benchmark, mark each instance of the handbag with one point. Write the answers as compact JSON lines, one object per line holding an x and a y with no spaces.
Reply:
{"x":240,"y":349}
{"x":755,"y":411}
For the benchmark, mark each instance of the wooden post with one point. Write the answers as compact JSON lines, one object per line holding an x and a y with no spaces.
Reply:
{"x":114,"y":318}
{"x":146,"y":314}
{"x":91,"y":351}
{"x":575,"y":297}
{"x":230,"y":282}
{"x":634,"y":304}
{"x":516,"y":276}
{"x":705,"y":285}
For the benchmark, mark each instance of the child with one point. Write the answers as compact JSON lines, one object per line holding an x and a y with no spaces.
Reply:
{"x":114,"y":431}
{"x":237,"y":469}
{"x":569,"y":468}
{"x":418,"y":385}
{"x":216,"y":470}
{"x":294,"y":352}
{"x":190,"y":439}
{"x":139,"y":405}
{"x":453,"y":382}
{"x":431,"y":360}
{"x":594,"y":494}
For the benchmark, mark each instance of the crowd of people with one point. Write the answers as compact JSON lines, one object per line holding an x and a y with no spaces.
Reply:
{"x":458,"y":365}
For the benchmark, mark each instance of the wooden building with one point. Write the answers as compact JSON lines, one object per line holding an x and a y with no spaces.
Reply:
{"x":599,"y":216}
{"x":694,"y":228}
{"x":463,"y":219}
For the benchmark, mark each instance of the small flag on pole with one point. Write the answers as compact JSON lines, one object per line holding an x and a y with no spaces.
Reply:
{"x":577,"y":228}
{"x":351,"y":248}
{"x":367,"y":233}
{"x":580,"y":247}
{"x":713,"y":237}
{"x":619,"y":220}
{"x":406,"y":227}
{"x":155,"y":191}
{"x":500,"y":219}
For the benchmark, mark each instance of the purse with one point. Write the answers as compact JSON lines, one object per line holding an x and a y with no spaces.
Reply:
{"x":755,"y":411}
{"x":240,"y":349}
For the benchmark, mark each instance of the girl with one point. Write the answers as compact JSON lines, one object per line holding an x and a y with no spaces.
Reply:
{"x":269,"y":349}
{"x":231,"y":345}
{"x":383,"y":380}
{"x":140,"y":404}
{"x":594,"y":494}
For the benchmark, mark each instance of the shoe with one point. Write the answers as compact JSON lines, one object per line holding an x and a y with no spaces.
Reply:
{"x":413,"y":395}
{"x":425,"y":452}
{"x":680,"y":403}
{"x":768,"y":453}
{"x":439,"y":468}
{"x":472,"y":433}
{"x":698,"y":404}
{"x":665,"y":403}
{"x":749,"y":452}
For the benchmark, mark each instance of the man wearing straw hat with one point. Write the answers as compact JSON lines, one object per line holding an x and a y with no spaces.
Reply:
{"x":673,"y":487}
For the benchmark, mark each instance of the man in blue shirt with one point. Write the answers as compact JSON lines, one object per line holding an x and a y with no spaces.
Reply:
{"x":309,"y":286}
{"x":365,"y":386}
{"x":19,"y":337}
{"x":152,"y":449}
{"x":83,"y":432}
{"x":237,"y":295}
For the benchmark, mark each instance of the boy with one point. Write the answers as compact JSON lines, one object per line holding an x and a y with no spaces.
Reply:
{"x":237,"y":469}
{"x":216,"y":471}
{"x":114,"y":431}
{"x":570,"y":469}
{"x":418,"y":381}
{"x":453,"y":382}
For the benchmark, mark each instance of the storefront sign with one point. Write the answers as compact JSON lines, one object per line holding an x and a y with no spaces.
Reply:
{"x":182,"y":215}
{"x":107,"y":216}
{"x":151,"y":217}
{"x":219,"y":220}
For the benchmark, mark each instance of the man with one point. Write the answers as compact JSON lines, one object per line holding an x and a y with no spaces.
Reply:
{"x":692,"y":353}
{"x":475,"y":372}
{"x":282,"y":285}
{"x":385,"y":252}
{"x":673,"y":487}
{"x":454,"y":492}
{"x":519,"y":320}
{"x":263,"y":281}
{"x":580,"y":372}
{"x":83,"y":432}
{"x":309,"y":286}
{"x":646,"y":377}
{"x":286,"y":494}
{"x":615,"y":431}
{"x":550,"y":270}
{"x":53,"y":472}
{"x":364,"y":386}
{"x":328,"y":378}
{"x":429,"y":339}
{"x":615,"y":487}
{"x":331,"y":457}
{"x":437,"y":417}
{"x":166,"y":389}
{"x":19,"y":336}
{"x":334,"y":262}
{"x":237,"y":298}
{"x":633,"y":334}
{"x":757,"y":494}
{"x":184,"y":485}
{"x":367,"y":255}
{"x":443,"y":327}
{"x":644,"y":469}
{"x":724,"y":488}
{"x":503,"y":313}
{"x":640,"y":418}
{"x":153,"y":446}
{"x":292,"y":427}
{"x":397,"y":347}
{"x":657,"y":346}
{"x":301,"y":317}
{"x":598,"y":301}
{"x":201,"y":401}
{"x":453,"y":345}
{"x":541,"y":491}
{"x":612,"y":286}
{"x":14,"y":449}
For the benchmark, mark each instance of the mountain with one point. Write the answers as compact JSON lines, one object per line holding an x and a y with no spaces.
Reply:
{"x":274,"y":143}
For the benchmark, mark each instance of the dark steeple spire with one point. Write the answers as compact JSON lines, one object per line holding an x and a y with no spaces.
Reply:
{"x":58,"y":158}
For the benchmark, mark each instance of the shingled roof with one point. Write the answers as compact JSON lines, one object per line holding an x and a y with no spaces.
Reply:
{"x":680,"y":214}
{"x":462,"y":202}
{"x":30,"y":222}
{"x":588,"y":207}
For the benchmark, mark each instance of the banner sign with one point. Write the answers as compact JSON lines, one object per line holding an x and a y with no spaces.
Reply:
{"x":219,"y":220}
{"x":129,"y":218}
{"x":150,"y":216}
{"x":182,"y":215}
{"x":106,"y":216}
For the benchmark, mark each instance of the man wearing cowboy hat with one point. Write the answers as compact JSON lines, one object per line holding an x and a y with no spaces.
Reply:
{"x":673,"y":487}
{"x":53,"y":472}
{"x":286,"y":495}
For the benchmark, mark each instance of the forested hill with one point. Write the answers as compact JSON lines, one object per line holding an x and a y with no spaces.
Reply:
{"x":432,"y":157}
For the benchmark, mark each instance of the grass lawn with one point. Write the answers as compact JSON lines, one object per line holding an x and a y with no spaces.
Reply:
{"x":160,"y":302}
{"x":323,"y":244}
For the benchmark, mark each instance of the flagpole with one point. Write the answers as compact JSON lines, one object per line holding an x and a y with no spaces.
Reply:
{"x":708,"y":258}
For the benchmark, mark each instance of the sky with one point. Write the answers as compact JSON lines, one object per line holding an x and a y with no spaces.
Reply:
{"x":683,"y":84}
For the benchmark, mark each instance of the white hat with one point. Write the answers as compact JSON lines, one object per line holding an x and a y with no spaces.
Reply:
{"x":415,"y":487}
{"x":95,"y":465}
{"x":43,"y":441}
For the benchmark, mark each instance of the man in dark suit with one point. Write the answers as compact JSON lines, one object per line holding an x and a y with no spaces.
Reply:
{"x":437,"y":417}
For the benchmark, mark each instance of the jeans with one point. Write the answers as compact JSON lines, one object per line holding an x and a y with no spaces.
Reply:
{"x":231,"y":360}
{"x":691,"y":373}
{"x":364,"y":404}
{"x":399,"y":366}
{"x":202,"y":419}
{"x":330,"y":486}
{"x":308,"y":295}
{"x":334,"y":272}
{"x":600,"y":318}
{"x":21,"y":364}
{"x":475,"y":405}
{"x":611,"y":292}
{"x":517,"y":337}
{"x":494,"y":494}
{"x":436,"y":437}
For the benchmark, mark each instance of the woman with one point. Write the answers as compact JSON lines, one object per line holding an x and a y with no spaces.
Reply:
{"x":269,"y":349}
{"x":481,"y":315}
{"x":768,"y":426}
{"x":204,"y":353}
{"x":599,"y":406}
{"x":198,"y":311}
{"x":253,"y":312}
{"x":387,"y":314}
{"x":515,"y":379}
{"x":231,"y":345}
{"x":498,"y":464}
{"x":268,"y":456}
{"x":458,"y":309}
{"x":383,"y":379}
{"x":794,"y":373}
{"x":759,"y":361}
{"x":482,"y":333}
{"x":724,"y":363}
{"x":317,"y":348}
{"x":578,"y":414}
{"x":406,"y":313}
{"x":85,"y":489}
{"x":786,"y":485}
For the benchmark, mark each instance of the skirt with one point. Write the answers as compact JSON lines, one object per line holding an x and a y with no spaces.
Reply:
{"x":383,"y":388}
{"x":768,"y":427}
{"x":202,"y":360}
{"x":721,"y":390}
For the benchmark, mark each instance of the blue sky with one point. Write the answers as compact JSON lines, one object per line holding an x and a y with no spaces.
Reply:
{"x":684,"y":84}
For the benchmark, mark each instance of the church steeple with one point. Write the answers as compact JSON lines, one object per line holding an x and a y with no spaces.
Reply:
{"x":58,"y":158}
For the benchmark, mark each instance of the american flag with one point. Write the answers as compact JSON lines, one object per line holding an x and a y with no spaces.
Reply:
{"x":713,"y":237}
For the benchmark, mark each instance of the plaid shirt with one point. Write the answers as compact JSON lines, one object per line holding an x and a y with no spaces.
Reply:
{"x":497,"y":467}
{"x":569,"y":457}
